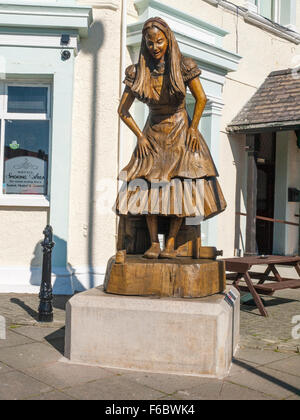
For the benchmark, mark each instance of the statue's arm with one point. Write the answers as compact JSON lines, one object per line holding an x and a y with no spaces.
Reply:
{"x":200,"y":97}
{"x":198,"y":93}
{"x":143,"y":145}
{"x":123,"y":111}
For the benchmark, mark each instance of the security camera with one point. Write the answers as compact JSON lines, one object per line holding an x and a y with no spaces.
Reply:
{"x":65,"y":55}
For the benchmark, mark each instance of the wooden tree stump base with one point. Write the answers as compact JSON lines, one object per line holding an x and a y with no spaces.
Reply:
{"x":181,"y":277}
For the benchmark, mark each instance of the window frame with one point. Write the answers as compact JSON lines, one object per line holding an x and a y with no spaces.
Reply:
{"x":276,"y":4}
{"x":33,"y":200}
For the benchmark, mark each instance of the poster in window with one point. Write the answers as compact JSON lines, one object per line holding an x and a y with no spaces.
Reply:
{"x":25,"y":175}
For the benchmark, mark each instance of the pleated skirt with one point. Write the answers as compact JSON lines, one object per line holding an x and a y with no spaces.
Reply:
{"x":201,"y":198}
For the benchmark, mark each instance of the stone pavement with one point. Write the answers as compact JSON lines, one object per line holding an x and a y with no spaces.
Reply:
{"x":32,"y":366}
{"x":274,"y":332}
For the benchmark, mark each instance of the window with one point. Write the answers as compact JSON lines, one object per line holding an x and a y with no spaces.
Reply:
{"x":267,"y":8}
{"x":279,"y":11}
{"x":24,"y":140}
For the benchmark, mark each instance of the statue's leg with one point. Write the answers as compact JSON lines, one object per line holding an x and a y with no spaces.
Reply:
{"x":175,"y":224}
{"x":154,"y":250}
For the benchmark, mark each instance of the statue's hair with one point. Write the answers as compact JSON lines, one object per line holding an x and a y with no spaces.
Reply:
{"x":141,"y":86}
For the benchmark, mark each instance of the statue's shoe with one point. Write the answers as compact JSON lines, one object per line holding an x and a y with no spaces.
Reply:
{"x":153,"y":252}
{"x":168,"y":254}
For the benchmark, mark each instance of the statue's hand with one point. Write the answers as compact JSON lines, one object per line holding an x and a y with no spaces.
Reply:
{"x":192,"y":140}
{"x":144,"y":147}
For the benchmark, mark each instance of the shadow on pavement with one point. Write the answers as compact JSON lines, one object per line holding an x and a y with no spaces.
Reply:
{"x":266,"y":376}
{"x":34,"y":314}
{"x":59,"y":302}
{"x":57,"y":342}
{"x":268,"y":302}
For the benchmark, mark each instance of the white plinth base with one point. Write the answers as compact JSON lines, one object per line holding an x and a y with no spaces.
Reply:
{"x":167,"y":335}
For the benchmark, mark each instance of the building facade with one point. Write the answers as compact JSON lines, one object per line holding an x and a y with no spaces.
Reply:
{"x":62,"y":145}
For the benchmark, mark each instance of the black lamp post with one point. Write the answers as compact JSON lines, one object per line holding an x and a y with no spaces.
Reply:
{"x":45,"y":307}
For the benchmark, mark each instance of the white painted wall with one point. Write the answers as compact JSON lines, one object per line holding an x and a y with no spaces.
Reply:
{"x":21,"y":234}
{"x":92,"y":234}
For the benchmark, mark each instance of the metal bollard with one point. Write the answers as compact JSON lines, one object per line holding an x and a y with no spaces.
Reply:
{"x":45,"y":307}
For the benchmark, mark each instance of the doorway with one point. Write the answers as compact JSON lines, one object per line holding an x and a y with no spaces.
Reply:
{"x":265,"y":148}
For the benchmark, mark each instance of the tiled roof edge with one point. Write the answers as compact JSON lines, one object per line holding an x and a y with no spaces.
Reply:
{"x":283,"y":72}
{"x":243,"y":128}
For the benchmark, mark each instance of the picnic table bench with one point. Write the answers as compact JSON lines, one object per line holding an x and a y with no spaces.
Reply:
{"x":238,"y":268}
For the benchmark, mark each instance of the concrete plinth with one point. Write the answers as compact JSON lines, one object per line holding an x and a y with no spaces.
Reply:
{"x":182,"y":336}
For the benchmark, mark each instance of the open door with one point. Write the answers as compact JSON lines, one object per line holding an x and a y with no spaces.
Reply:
{"x":265,"y":147}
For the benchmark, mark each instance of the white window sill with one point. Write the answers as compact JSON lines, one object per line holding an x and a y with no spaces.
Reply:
{"x":251,"y":16}
{"x":24,"y":201}
{"x":279,"y":30}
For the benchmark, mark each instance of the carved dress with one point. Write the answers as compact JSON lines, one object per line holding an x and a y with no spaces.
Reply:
{"x":173,"y":165}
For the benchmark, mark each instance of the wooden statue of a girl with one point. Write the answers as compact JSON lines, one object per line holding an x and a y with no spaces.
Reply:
{"x":170,"y":147}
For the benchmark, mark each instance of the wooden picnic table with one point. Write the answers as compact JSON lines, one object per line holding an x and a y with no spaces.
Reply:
{"x":239,"y":268}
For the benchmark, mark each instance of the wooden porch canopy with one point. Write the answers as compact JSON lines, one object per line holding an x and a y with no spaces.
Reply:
{"x":274,"y":107}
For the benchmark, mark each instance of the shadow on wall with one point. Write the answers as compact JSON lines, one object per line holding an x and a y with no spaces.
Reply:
{"x":66,"y":281}
{"x":65,"y":277}
{"x":92,"y":46}
{"x":237,"y":144}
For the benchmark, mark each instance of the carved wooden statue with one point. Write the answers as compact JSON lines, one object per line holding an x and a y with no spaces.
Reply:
{"x":171,"y":154}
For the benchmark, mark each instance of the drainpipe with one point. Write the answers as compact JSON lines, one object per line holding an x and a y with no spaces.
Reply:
{"x":122,"y":75}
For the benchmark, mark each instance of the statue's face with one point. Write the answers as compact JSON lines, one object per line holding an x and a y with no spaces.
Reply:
{"x":156,"y":43}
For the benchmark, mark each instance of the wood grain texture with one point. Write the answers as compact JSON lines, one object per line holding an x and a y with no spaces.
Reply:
{"x":181,"y":278}
{"x":171,"y":172}
{"x":133,"y":236}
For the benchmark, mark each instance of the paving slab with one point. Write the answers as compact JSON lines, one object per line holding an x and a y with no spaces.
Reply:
{"x":58,"y":344}
{"x":29,"y":355}
{"x":22,"y":309}
{"x":205,"y":391}
{"x":238,"y":367}
{"x":235,"y":392}
{"x":4,"y":368}
{"x":13,"y":339}
{"x":168,"y":384}
{"x":294,"y":398}
{"x":40,"y":332}
{"x":273,"y":332}
{"x":259,"y":356}
{"x":51,"y":396}
{"x":15,"y":386}
{"x":64,"y":375}
{"x":113,"y":388}
{"x":268,"y":381}
{"x":169,"y":398}
{"x":221,"y":391}
{"x":290,"y":366}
